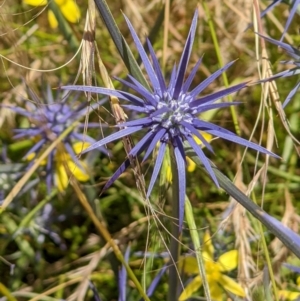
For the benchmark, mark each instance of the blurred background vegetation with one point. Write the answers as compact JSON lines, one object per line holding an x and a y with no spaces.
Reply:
{"x":50,"y":246}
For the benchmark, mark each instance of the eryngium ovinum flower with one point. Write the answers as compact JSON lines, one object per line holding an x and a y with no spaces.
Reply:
{"x":295,"y":54}
{"x":171,"y":114}
{"x":49,"y":120}
{"x":295,"y":7}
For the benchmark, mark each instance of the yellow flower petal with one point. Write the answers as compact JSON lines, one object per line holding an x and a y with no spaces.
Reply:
{"x":52,"y":20}
{"x":212,"y":270}
{"x":35,"y":2}
{"x":288,"y":295}
{"x":61,"y":2}
{"x":189,"y":265}
{"x":79,"y":172}
{"x":61,"y":179}
{"x":208,"y":248}
{"x":191,"y":165}
{"x":228,"y":261}
{"x":62,"y":161}
{"x":206,"y":136}
{"x":71,"y":11}
{"x":78,"y":147}
{"x":216,"y":292}
{"x":30,"y":157}
{"x":192,"y":287}
{"x":231,"y":286}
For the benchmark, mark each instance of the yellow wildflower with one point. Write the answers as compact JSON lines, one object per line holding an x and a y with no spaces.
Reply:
{"x":217,"y":281}
{"x":288,"y":295}
{"x":63,"y":164}
{"x":191,"y":165}
{"x":69,"y":9}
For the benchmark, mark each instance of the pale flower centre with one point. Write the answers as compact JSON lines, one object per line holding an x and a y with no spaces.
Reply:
{"x":177,"y":110}
{"x":213,"y":270}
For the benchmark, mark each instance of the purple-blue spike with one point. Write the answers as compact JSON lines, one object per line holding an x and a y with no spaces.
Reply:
{"x":291,"y":94}
{"x":123,"y":277}
{"x":236,"y":139}
{"x":156,"y":280}
{"x":195,"y":132}
{"x":292,"y":268}
{"x":295,"y":54}
{"x":113,"y":137}
{"x":209,"y":80}
{"x":294,"y":4}
{"x":191,"y":76}
{"x":156,"y":139}
{"x":203,"y":158}
{"x":117,"y":174}
{"x":143,"y":54}
{"x":217,"y":95}
{"x":185,"y":56}
{"x":180,"y":162}
{"x":290,"y":18}
{"x":142,"y":91}
{"x":141,"y":144}
{"x":157,"y":166}
{"x":157,"y":69}
{"x":216,"y":106}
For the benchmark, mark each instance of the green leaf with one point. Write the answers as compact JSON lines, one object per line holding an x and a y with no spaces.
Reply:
{"x":288,"y":237}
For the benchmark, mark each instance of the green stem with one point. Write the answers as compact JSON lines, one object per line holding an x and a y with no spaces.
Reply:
{"x":64,"y":26}
{"x":219,"y":56}
{"x":26,"y":220}
{"x":267,"y":255}
{"x":175,"y":233}
{"x":196,"y":241}
{"x":288,"y":237}
{"x":6,"y":293}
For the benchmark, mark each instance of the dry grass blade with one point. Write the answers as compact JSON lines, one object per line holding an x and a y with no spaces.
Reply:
{"x":290,"y":219}
{"x":80,"y":291}
{"x":103,"y":231}
{"x":244,"y":232}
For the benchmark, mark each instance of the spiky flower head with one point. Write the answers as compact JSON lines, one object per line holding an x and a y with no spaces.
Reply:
{"x":48,"y":122}
{"x":171,"y":113}
{"x":295,"y":8}
{"x":295,"y":54}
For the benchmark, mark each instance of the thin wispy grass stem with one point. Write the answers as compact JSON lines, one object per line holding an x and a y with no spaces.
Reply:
{"x":219,"y":56}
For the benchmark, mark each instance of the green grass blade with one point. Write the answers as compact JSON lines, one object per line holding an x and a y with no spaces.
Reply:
{"x":219,"y":56}
{"x":64,"y":26}
{"x":196,"y":241}
{"x":288,"y":237}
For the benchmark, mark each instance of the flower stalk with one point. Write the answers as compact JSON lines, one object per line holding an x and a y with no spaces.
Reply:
{"x":175,"y":231}
{"x":196,"y":241}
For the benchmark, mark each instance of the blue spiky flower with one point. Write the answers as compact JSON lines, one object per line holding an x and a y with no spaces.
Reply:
{"x":48,"y":121}
{"x":295,"y":54}
{"x":171,"y":114}
{"x":294,"y":9}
